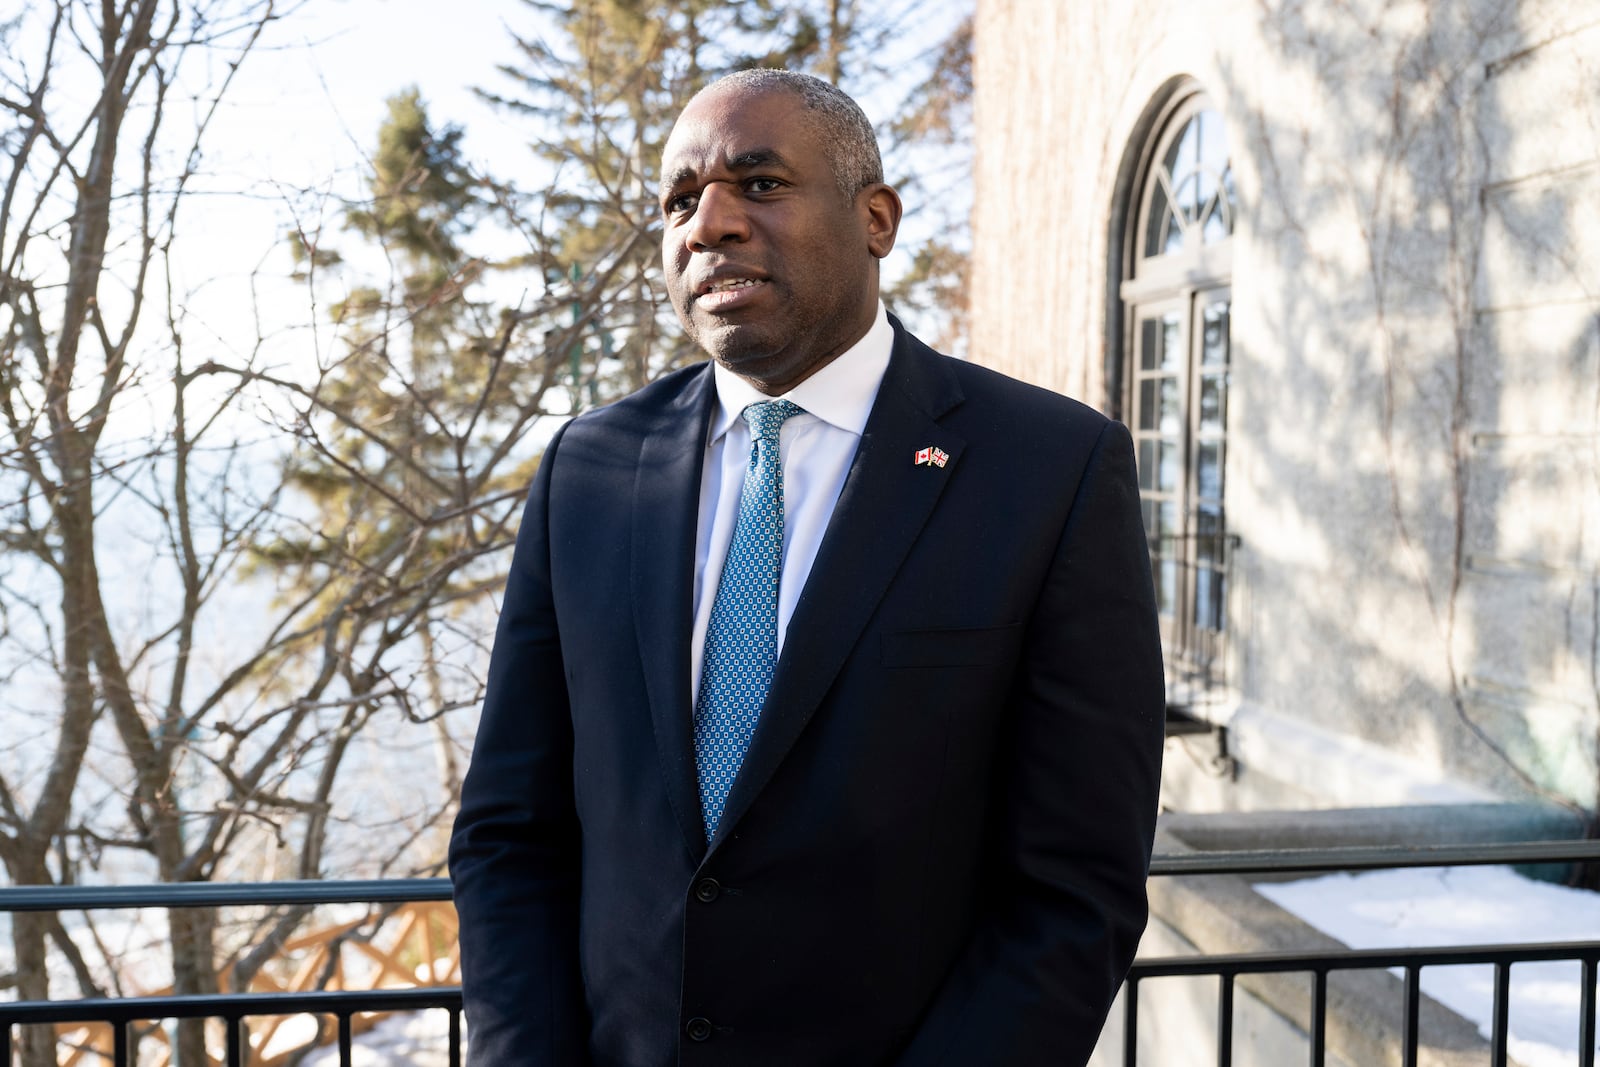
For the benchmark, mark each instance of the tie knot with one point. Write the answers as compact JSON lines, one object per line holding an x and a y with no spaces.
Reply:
{"x":768,"y":416}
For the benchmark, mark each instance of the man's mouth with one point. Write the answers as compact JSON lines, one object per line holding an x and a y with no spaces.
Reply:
{"x":726,"y":293}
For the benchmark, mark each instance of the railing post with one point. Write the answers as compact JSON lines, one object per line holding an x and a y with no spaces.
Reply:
{"x":119,"y":1044}
{"x":1586,"y":1015}
{"x":1502,"y":1014}
{"x":1319,"y":1018}
{"x":455,"y":1037}
{"x":235,"y":1025}
{"x":1413,"y":1003}
{"x":1130,"y":1024}
{"x":5,"y":1045}
{"x":344,"y":1039}
{"x":1225,"y":1021}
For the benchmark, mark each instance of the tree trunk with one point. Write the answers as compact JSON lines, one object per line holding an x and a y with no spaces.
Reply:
{"x":37,"y":1047}
{"x":30,"y":931}
{"x":192,"y":932}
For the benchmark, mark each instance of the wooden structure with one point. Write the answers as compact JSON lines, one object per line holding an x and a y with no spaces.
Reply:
{"x":414,"y":945}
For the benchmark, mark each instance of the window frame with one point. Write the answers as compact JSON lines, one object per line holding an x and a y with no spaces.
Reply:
{"x":1189,"y":281}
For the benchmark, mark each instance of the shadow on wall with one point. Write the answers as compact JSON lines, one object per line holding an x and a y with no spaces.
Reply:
{"x":1416,"y":443}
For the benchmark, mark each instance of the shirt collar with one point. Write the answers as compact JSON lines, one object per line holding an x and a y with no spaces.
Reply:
{"x":840,"y":394}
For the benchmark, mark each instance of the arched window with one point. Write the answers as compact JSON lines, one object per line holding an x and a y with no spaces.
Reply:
{"x":1176,"y":298}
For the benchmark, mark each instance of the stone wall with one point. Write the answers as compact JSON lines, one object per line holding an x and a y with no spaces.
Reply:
{"x":1414,"y":463}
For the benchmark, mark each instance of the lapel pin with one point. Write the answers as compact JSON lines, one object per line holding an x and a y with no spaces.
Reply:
{"x":933,"y":457}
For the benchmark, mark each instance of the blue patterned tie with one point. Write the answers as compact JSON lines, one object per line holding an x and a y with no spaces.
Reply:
{"x":741,"y":647}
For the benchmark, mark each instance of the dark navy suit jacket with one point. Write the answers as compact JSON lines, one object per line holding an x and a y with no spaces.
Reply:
{"x":936,"y":849}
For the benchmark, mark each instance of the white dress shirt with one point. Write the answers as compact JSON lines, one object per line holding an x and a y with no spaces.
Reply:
{"x":816,"y":449}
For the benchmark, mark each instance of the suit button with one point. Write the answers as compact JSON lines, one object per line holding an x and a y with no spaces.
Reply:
{"x":699,"y":1029}
{"x":706,"y":890}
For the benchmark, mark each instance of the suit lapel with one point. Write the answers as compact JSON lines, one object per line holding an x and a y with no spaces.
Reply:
{"x":885,"y":503}
{"x":666,"y":499}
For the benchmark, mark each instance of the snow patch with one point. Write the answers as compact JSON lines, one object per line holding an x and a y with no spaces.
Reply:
{"x":1433,"y":907}
{"x":416,"y":1039}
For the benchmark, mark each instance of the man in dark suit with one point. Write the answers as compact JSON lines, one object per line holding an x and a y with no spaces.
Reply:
{"x":824,"y":720}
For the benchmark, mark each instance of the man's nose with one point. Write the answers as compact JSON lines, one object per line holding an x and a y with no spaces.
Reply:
{"x":719,"y":217}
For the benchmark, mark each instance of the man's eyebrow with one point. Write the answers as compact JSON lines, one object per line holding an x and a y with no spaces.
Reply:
{"x":756,"y":157}
{"x":759,"y":157}
{"x":675,"y":178}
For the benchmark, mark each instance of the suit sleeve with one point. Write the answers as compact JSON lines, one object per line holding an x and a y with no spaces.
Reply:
{"x":514,"y":853}
{"x":1074,"y":812}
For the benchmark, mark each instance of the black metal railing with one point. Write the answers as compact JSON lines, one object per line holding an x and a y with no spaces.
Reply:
{"x":1229,"y":968}
{"x":234,"y":1010}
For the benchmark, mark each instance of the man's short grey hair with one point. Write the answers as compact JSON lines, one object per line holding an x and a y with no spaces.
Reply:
{"x":853,"y":146}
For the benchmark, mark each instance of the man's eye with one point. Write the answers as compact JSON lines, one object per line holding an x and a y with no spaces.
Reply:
{"x":678,"y":204}
{"x":762,"y":185}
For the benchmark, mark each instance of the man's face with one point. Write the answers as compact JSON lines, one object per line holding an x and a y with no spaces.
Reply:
{"x":771,"y":269}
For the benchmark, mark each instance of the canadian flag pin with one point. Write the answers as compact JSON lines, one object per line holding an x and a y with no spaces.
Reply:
{"x":933,"y":457}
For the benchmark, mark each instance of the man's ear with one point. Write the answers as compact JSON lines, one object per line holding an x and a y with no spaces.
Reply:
{"x":881,"y":206}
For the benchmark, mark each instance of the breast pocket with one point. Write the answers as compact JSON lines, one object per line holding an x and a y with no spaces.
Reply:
{"x":980,"y":647}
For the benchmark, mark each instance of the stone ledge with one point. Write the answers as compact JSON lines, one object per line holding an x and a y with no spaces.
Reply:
{"x":1224,"y":914}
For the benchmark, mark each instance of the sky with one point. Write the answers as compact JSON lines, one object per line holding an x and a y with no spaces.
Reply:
{"x":298,"y":125}
{"x":308,"y":105}
{"x":341,"y":58}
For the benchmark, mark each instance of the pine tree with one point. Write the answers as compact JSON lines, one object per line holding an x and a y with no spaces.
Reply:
{"x":411,"y":458}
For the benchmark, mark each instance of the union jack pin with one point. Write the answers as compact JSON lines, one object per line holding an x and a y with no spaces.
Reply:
{"x":933,"y":457}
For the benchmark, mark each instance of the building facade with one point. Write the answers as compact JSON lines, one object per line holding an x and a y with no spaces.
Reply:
{"x":1337,"y":265}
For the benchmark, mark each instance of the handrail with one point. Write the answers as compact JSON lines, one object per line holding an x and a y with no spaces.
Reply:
{"x":227,"y":1005}
{"x":1371,"y":857}
{"x":222,"y":894}
{"x":1359,"y":959}
{"x":408,"y":890}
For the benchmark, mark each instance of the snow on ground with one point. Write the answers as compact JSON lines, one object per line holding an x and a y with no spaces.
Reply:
{"x":414,"y":1039}
{"x":1433,"y":907}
